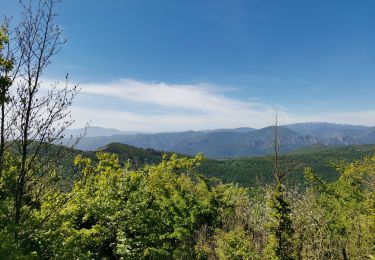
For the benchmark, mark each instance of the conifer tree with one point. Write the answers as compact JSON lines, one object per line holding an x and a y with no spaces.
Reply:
{"x":280,"y":241}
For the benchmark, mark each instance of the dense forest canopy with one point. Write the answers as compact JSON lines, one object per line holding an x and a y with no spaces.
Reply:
{"x":171,"y":210}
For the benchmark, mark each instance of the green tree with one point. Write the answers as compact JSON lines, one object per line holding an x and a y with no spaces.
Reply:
{"x":235,"y":244}
{"x":344,"y":212}
{"x":6,"y":65}
{"x":31,"y":121}
{"x":115,"y":211}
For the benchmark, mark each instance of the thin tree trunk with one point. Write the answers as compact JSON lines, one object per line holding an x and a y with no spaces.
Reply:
{"x":23,"y":171}
{"x":2,"y":138}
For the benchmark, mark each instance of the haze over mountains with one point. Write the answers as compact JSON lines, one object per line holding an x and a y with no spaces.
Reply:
{"x":230,"y":143}
{"x":95,"y":131}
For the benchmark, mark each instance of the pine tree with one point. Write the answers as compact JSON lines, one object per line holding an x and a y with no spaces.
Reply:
{"x":280,"y":240}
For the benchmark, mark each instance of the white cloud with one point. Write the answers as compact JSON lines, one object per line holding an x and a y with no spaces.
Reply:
{"x":165,"y":122}
{"x":185,"y":107}
{"x":199,"y":98}
{"x":366,"y":117}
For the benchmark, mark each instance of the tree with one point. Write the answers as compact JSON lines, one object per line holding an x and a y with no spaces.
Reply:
{"x":39,"y":114}
{"x":135,"y":214}
{"x":6,"y":65}
{"x":280,"y":242}
{"x":341,"y":214}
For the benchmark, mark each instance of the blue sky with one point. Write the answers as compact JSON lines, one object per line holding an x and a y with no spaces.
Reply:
{"x":179,"y":65}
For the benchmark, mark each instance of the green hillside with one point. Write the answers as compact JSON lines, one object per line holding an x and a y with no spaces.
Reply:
{"x":253,"y":171}
{"x":137,"y":156}
{"x":259,"y":170}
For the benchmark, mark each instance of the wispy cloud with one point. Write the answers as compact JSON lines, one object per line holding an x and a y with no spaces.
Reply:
{"x":365,"y":117}
{"x":181,"y":107}
{"x":199,"y":98}
{"x":172,"y":107}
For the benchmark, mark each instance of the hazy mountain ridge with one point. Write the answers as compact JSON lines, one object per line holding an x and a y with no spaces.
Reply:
{"x":239,"y":142}
{"x":95,"y":131}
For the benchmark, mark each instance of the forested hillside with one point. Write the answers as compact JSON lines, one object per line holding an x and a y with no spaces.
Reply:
{"x":170,"y":210}
{"x":254,"y":171}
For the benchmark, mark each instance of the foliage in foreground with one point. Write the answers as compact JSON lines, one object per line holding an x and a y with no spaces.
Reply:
{"x":171,"y":211}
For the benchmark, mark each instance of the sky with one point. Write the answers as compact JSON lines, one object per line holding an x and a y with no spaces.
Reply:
{"x":173,"y":65}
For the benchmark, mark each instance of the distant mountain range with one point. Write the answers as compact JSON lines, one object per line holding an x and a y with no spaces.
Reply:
{"x":230,"y":143}
{"x":96,"y":131}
